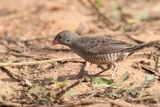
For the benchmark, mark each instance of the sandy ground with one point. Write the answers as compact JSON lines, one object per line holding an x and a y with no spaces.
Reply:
{"x":27,"y":29}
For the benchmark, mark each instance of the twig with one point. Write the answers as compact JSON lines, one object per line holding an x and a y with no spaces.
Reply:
{"x":16,"y":77}
{"x":133,"y":39}
{"x":103,"y":70}
{"x":113,"y":102}
{"x":80,"y":104}
{"x":21,"y":54}
{"x":61,"y":93}
{"x":150,"y":70}
{"x":157,"y":67}
{"x":37,"y":62}
{"x":9,"y":104}
{"x":91,"y":95}
{"x":129,"y":36}
{"x":119,"y":104}
{"x":142,"y":99}
{"x":11,"y":74}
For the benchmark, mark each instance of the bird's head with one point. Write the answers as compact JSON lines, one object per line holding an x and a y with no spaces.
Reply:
{"x":65,"y":38}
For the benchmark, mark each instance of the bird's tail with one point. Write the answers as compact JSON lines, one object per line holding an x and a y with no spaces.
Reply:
{"x":143,"y":45}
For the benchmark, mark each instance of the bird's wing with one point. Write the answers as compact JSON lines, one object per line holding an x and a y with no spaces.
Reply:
{"x":101,"y":45}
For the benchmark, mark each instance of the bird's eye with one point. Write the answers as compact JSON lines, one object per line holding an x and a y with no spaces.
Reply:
{"x":68,"y":40}
{"x":59,"y":37}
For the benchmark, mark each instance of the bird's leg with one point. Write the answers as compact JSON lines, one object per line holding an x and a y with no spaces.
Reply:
{"x":114,"y":70}
{"x":84,"y":73}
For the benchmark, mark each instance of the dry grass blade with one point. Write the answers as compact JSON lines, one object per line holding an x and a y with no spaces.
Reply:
{"x":37,"y":62}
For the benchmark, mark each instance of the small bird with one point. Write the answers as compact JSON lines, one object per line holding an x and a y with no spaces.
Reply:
{"x":99,"y":50}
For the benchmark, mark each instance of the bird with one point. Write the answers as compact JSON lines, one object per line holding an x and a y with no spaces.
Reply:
{"x":99,"y":49}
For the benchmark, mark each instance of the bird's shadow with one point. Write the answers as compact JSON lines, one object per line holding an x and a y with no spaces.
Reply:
{"x":82,"y":73}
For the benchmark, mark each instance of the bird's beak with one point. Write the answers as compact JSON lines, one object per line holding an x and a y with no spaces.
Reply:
{"x":54,"y":42}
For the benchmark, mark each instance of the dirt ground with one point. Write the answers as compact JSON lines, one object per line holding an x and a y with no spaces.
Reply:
{"x":27,"y":29}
